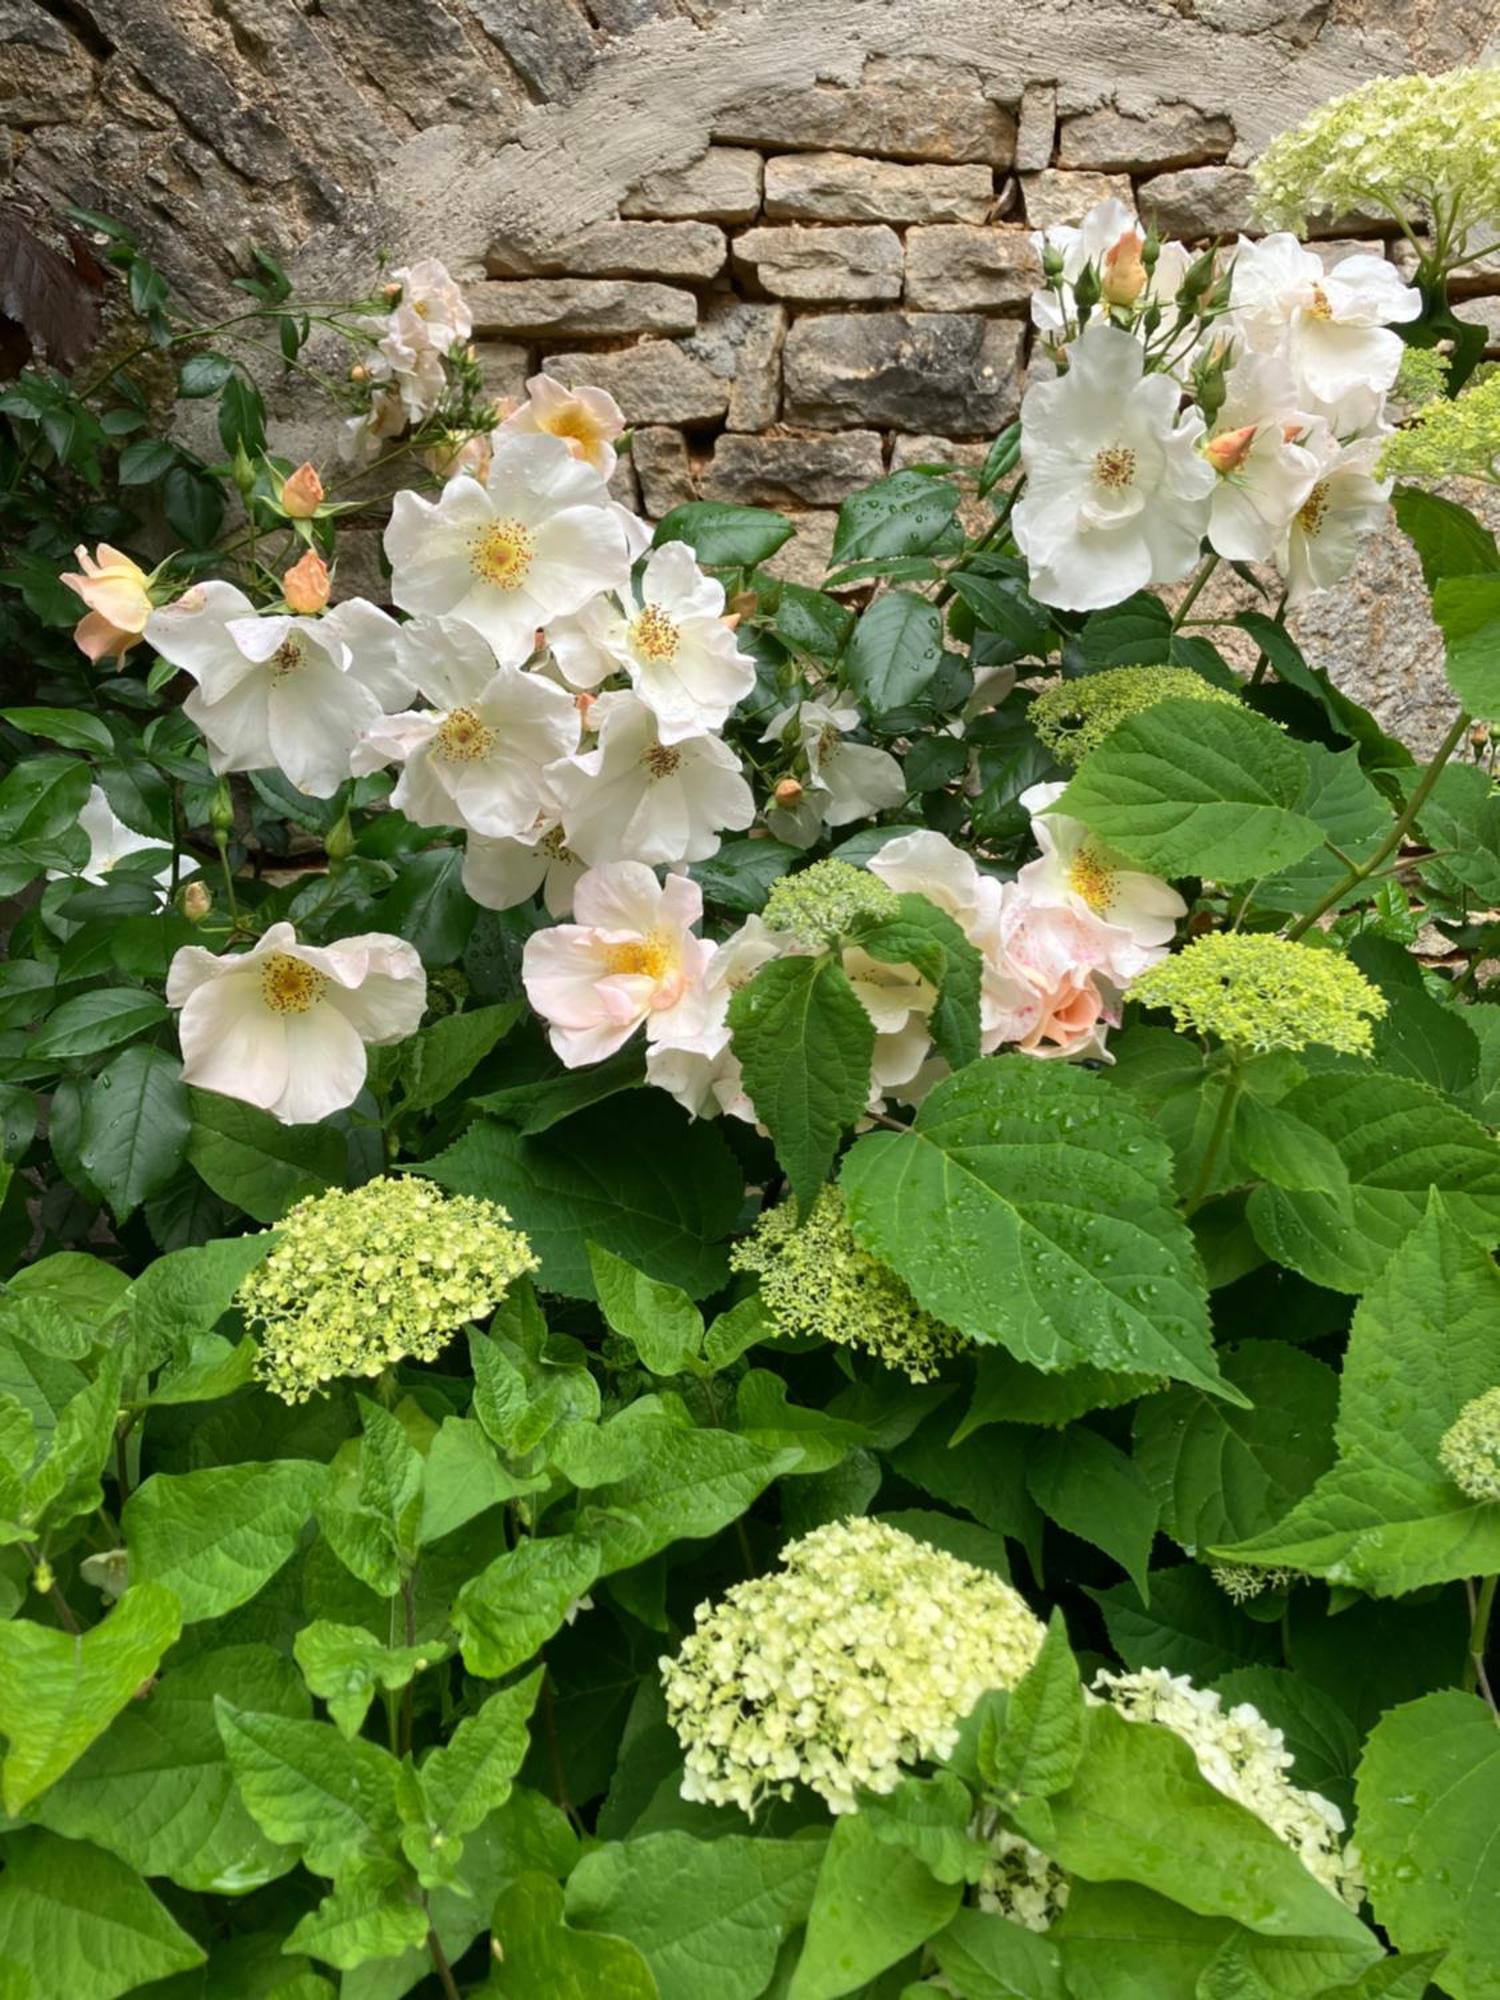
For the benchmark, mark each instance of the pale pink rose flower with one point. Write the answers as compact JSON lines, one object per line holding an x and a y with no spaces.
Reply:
{"x":587,"y":420}
{"x":114,"y":588}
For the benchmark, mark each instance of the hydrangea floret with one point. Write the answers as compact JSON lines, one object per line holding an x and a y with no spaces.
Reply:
{"x":1241,"y":1583}
{"x":1246,"y":1758}
{"x":1469,"y":1450}
{"x":857,"y":1659}
{"x":1417,"y":148}
{"x":358,"y":1280}
{"x":1257,"y":992}
{"x":1073,"y":717}
{"x":817,"y":1283}
{"x":819,"y":904}
{"x":1019,"y":1882}
{"x":1449,"y":438}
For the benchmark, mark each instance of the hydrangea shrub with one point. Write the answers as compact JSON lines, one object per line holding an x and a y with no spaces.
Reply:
{"x":723,"y":1291}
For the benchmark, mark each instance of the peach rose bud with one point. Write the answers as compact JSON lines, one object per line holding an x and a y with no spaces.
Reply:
{"x":1123,"y":277}
{"x":302,"y":493}
{"x":305,"y":585}
{"x":787,"y":792}
{"x":1229,"y":450}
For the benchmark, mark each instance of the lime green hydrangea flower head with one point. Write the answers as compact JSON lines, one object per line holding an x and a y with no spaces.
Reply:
{"x":1259,"y":992}
{"x":1469,"y":1451}
{"x":1449,"y":437}
{"x":818,"y":904}
{"x":1074,"y":717}
{"x":859,"y":1657}
{"x":357,"y":1281}
{"x":1406,"y":146}
{"x":817,"y":1283}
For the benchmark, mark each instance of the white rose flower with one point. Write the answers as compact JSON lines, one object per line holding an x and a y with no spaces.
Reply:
{"x":501,"y":873}
{"x":537,"y":540}
{"x":587,"y":420}
{"x":1116,"y":492}
{"x":635,"y":797}
{"x":691,"y":1057}
{"x":273,"y":691}
{"x":110,"y":840}
{"x":1138,"y":914}
{"x":1347,"y":503}
{"x":1260,"y":452}
{"x":284,"y":1025}
{"x":845,"y":781}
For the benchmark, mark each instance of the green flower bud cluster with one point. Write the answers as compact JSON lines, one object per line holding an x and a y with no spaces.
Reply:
{"x":818,"y":1284}
{"x":858,"y":1658}
{"x":1241,"y":1583}
{"x":1449,"y":437}
{"x":1073,"y":717}
{"x":1407,"y":146}
{"x":1254,"y":991}
{"x":818,"y":904}
{"x":356,"y":1281}
{"x":1469,"y":1451}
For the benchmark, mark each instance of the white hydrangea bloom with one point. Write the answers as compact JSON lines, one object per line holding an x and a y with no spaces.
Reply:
{"x":860,"y":1656}
{"x":1245,"y":1758}
{"x":1018,"y":1881}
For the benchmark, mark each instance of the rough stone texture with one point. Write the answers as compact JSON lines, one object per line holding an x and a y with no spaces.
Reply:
{"x":805,"y":558}
{"x":840,"y":187}
{"x":545,"y":307}
{"x":1110,"y":140}
{"x":655,"y":382}
{"x":46,"y":77}
{"x":1485,"y":313}
{"x":742,"y":345}
{"x":1198,"y":201}
{"x":504,"y":368}
{"x":848,"y":262}
{"x":1054,"y":198}
{"x":946,"y":372}
{"x":1036,"y":133}
{"x":792,"y":471}
{"x":954,"y":267}
{"x":723,"y":184}
{"x":662,"y":466}
{"x":910,"y":120}
{"x":692,"y":252}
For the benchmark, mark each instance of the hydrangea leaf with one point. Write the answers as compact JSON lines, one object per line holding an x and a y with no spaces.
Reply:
{"x":660,"y":1321}
{"x":709,"y":1916}
{"x":214,"y":1537}
{"x":465,"y":1779}
{"x":306,"y":1787}
{"x":59,"y":1691}
{"x":1033,"y":1751}
{"x":1199,"y":788}
{"x":372,"y":1916}
{"x":1426,"y":1791}
{"x":989,"y":1958}
{"x":804,"y":1043}
{"x":1385,"y":1517}
{"x":1088,"y":1486}
{"x":1398,"y":1140}
{"x":82,"y":1923}
{"x":1467,"y":609}
{"x":874,"y":1902}
{"x":928,"y":938}
{"x":1353,"y":817}
{"x":692,"y":1484}
{"x":257,"y":1164}
{"x":344,"y":1665}
{"x":157,"y":1789}
{"x":1030,"y":1206}
{"x":516,"y":1604}
{"x":546,"y":1959}
{"x":1190,"y":1627}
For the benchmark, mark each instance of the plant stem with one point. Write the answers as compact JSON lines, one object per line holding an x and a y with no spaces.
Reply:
{"x":122,"y":1462}
{"x":554,"y":1754}
{"x":409,"y":1692}
{"x":441,"y":1966}
{"x":1210,"y":564}
{"x":221,"y":841}
{"x":1363,"y":870}
{"x":1475,"y":1676}
{"x":1233,"y":1085}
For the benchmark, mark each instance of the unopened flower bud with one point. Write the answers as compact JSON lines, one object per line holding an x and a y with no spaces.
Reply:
{"x":1086,"y":291}
{"x":1198,"y":278}
{"x":744,"y":604}
{"x":584,"y":703}
{"x":1151,"y":248}
{"x":221,"y":812}
{"x":242,"y":471}
{"x":730,"y":619}
{"x":359,"y":372}
{"x":1124,"y":275}
{"x":302,"y":492}
{"x":390,"y":293}
{"x":788,"y":791}
{"x":340,"y":842}
{"x":196,"y":902}
{"x":305,"y":584}
{"x":42,"y":1576}
{"x":1228,"y":451}
{"x":1052,"y":261}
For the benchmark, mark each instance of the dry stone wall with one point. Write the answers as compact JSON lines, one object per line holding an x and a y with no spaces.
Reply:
{"x":792,"y":238}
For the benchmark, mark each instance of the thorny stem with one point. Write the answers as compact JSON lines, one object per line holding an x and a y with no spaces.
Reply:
{"x":1363,"y":870}
{"x":1475,"y":1675}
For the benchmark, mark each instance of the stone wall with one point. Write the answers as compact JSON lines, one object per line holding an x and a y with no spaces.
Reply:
{"x":791,"y":237}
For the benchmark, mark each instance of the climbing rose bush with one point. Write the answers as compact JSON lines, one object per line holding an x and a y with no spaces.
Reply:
{"x":723,"y":1291}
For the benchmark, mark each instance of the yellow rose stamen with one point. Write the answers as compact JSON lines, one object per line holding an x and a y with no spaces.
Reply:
{"x":290,"y":986}
{"x":502,"y":554}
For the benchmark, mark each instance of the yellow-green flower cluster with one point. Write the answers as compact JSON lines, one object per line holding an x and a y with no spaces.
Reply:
{"x":1241,"y":1583}
{"x":1448,"y":437}
{"x":1255,"y":991}
{"x":1422,"y":375}
{"x":857,"y":1659}
{"x":1245,"y":1758}
{"x":1018,"y":1882}
{"x":1074,"y":717}
{"x":818,"y":904}
{"x":1470,"y":1448}
{"x":356,"y":1281}
{"x":1419,"y":148}
{"x":818,"y":1284}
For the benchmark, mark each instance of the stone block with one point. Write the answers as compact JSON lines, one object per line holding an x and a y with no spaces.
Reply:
{"x":1054,"y":199}
{"x":805,"y":558}
{"x":503,"y":368}
{"x":918,"y":119}
{"x":952,"y":373}
{"x":958,"y":267}
{"x":822,"y":266}
{"x":721,"y":185}
{"x":793,"y":472}
{"x":741,"y":344}
{"x":1037,"y":132}
{"x":1196,"y":202}
{"x":624,"y":484}
{"x":1485,"y":312}
{"x":46,"y":78}
{"x":654,"y":382}
{"x":660,"y":456}
{"x":1171,"y":135}
{"x":593,"y":307}
{"x":692,"y":252}
{"x":841,"y":187}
